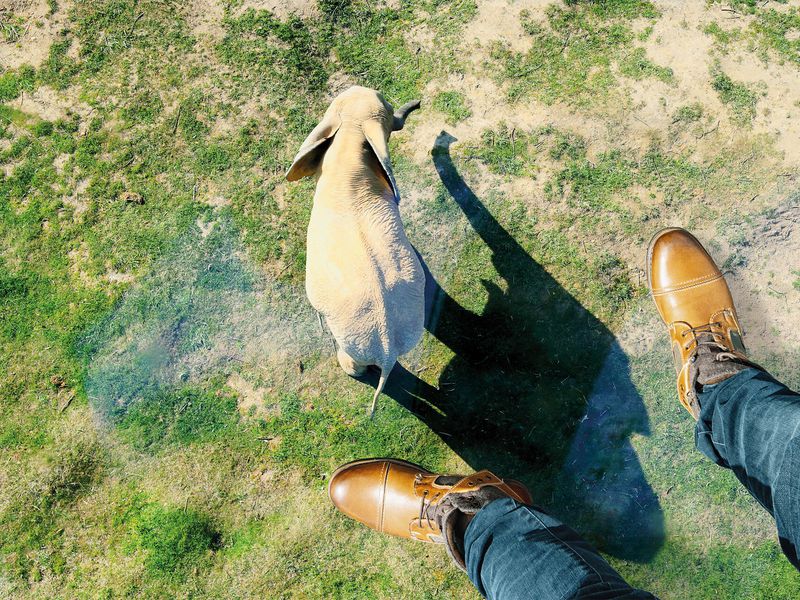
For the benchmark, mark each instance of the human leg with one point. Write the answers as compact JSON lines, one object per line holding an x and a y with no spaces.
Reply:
{"x":508,"y":548}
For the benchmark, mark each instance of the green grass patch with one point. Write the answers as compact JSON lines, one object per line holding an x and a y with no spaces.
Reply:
{"x":722,"y":37}
{"x":505,"y":151}
{"x":617,"y":8}
{"x":771,"y":33}
{"x":747,"y":7}
{"x":593,"y":184}
{"x":688,"y":114}
{"x":779,"y":32}
{"x":175,"y":540}
{"x":740,"y":98}
{"x":317,"y":437}
{"x":637,"y":66}
{"x":180,"y":417}
{"x":31,"y":522}
{"x":14,"y":82}
{"x":572,"y":54}
{"x":452,"y":104}
{"x":12,"y":27}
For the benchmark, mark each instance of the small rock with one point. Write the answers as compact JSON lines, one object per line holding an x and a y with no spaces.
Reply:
{"x":58,"y":381}
{"x":132,"y":197}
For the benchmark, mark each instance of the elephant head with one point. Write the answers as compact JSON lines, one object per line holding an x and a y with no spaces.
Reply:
{"x":357,"y":108}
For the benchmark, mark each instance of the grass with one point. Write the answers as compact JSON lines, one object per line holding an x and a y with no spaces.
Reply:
{"x":181,"y":417}
{"x":771,"y":33}
{"x":135,"y":462}
{"x":722,"y":37}
{"x":689,"y":113}
{"x":636,"y":65}
{"x":174,"y":540}
{"x":597,"y":193}
{"x":452,"y":104}
{"x":740,"y":99}
{"x":748,"y":6}
{"x":505,"y":151}
{"x":11,"y":27}
{"x":572,"y":54}
{"x":13,"y":83}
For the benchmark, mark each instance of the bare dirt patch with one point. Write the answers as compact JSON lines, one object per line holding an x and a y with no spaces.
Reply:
{"x":679,"y":42}
{"x":251,"y":401}
{"x":37,"y":30}
{"x":499,"y":21}
{"x":281,"y":8}
{"x":117,"y":277}
{"x":777,"y":109}
{"x":77,"y":258}
{"x":50,"y":105}
{"x":204,"y":18}
{"x":74,"y":201}
{"x":765,"y":281}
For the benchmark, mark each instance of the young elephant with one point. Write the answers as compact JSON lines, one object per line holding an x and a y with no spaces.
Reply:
{"x":362,"y":274}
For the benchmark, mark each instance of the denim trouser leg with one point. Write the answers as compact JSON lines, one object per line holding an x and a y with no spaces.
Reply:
{"x":515,"y":551}
{"x":750,"y":423}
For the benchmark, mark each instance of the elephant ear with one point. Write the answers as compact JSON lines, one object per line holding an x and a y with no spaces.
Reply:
{"x":310,"y":155}
{"x":376,"y":136}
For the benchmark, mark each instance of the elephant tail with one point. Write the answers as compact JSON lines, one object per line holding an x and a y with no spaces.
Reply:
{"x":385,"y":370}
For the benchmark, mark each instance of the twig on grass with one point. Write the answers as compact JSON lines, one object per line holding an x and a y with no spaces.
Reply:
{"x":705,"y":133}
{"x":774,"y":291}
{"x":177,"y":119}
{"x":66,"y":402}
{"x":135,"y":21}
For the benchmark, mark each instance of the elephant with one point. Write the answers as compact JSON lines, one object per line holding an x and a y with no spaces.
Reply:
{"x":362,"y":273}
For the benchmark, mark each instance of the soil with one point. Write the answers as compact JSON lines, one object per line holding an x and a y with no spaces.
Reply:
{"x":39,"y":30}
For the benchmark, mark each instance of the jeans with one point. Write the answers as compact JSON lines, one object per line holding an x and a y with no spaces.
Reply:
{"x":749,"y":423}
{"x":515,"y":551}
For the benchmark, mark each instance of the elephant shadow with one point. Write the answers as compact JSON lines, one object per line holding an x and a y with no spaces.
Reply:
{"x":538,"y":390}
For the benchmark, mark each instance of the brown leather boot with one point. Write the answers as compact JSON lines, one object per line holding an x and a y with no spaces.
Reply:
{"x":694,"y":301}
{"x":405,"y":500}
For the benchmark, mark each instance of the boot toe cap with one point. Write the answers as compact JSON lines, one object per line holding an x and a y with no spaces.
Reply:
{"x":357,"y":491}
{"x":677,"y":260}
{"x":377,"y":492}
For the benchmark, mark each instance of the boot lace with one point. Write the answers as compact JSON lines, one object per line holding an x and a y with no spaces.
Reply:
{"x":424,"y":507}
{"x":711,"y":336}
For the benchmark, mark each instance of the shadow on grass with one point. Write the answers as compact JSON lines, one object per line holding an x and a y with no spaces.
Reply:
{"x":538,"y":390}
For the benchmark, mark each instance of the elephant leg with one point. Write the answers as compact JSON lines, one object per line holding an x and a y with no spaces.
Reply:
{"x":350,"y":366}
